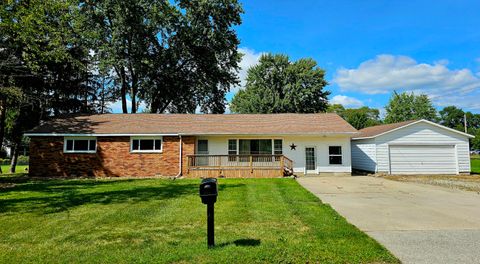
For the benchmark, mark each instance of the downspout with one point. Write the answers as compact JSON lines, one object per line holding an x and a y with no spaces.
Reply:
{"x":180,"y":161}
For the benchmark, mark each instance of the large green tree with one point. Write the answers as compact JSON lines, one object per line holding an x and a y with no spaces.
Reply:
{"x":175,"y":55}
{"x":47,"y":60}
{"x":357,"y":117}
{"x":408,"y":106}
{"x":278,"y":85}
{"x":453,"y":117}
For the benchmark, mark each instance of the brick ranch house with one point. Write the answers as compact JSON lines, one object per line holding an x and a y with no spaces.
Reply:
{"x":191,"y":145}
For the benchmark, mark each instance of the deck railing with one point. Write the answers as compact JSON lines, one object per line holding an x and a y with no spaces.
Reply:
{"x":279,"y":163}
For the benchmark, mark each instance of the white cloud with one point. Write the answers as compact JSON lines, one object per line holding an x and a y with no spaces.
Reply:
{"x":249,"y":59}
{"x":346,"y":101}
{"x":386,"y":73}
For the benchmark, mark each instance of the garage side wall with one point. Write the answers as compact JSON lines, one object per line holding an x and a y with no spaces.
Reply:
{"x":422,"y":134}
{"x":364,"y":155}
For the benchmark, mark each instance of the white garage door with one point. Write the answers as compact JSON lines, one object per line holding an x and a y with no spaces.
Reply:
{"x":423,"y":159}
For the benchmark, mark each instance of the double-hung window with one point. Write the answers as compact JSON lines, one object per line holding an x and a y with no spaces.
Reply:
{"x":232,"y":149}
{"x":277,"y":148}
{"x":138,"y":144}
{"x":335,"y":155}
{"x":80,"y":145}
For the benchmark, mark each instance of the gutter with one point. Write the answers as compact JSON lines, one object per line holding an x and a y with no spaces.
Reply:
{"x":180,"y":161}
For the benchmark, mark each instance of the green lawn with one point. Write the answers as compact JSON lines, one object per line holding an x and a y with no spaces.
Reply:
{"x":18,"y":169}
{"x":153,"y":220}
{"x":475,"y":164}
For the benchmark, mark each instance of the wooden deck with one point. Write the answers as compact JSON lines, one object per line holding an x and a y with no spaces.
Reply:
{"x":239,"y":166}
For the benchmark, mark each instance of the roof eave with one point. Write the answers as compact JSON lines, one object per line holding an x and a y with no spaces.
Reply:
{"x":416,"y":122}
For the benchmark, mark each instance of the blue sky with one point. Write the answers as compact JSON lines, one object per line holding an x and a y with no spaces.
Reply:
{"x":370,"y":48}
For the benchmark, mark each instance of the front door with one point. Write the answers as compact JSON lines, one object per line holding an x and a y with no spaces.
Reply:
{"x":310,"y":160}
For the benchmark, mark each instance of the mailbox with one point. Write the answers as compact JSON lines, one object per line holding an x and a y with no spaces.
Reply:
{"x":209,"y":193}
{"x":209,"y":190}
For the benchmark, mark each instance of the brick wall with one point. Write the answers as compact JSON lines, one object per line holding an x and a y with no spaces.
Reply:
{"x":113,"y":158}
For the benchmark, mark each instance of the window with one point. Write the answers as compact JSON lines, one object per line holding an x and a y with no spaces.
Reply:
{"x":232,"y":149}
{"x":202,"y":146}
{"x":80,"y":145}
{"x":335,"y":154}
{"x":277,"y":147}
{"x":146,"y":144}
{"x":255,"y":146}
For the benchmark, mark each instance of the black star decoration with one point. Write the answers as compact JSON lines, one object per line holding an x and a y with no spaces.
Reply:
{"x":293,"y":146}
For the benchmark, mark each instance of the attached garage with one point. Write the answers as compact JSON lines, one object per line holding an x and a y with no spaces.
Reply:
{"x":412,"y":147}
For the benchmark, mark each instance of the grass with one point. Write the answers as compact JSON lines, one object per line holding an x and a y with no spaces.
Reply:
{"x":154,"y":220}
{"x":475,"y":164}
{"x":18,"y":169}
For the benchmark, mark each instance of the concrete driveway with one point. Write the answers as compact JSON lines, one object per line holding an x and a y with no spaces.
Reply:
{"x":417,"y":223}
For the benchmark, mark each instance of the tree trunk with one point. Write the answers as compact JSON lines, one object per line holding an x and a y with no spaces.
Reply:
{"x":123,"y":91}
{"x":134,"y":101}
{"x":15,"y":150}
{"x":133,"y":88}
{"x":3,"y":115}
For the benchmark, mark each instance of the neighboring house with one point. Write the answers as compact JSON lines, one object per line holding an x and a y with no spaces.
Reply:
{"x":192,"y":145}
{"x":412,"y":147}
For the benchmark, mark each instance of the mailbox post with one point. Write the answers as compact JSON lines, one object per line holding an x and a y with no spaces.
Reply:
{"x":208,"y":194}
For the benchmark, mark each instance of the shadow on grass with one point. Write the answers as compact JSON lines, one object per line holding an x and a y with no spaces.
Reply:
{"x":246,"y":242}
{"x":53,"y":196}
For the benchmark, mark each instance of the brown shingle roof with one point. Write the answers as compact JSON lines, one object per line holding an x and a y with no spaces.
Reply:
{"x":377,"y":130}
{"x":197,"y":124}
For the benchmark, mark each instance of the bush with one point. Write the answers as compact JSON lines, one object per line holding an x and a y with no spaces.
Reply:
{"x":23,"y":160}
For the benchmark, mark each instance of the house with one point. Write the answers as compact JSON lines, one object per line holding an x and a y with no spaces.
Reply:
{"x":411,"y":147}
{"x":192,"y":145}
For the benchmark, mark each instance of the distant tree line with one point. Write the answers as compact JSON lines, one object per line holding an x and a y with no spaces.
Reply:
{"x":61,"y":57}
{"x":278,"y":85}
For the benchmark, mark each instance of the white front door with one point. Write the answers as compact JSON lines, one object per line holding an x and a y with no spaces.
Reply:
{"x":310,"y":160}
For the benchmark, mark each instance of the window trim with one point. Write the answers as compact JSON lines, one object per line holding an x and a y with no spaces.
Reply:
{"x":79,"y":151}
{"x":256,"y":138}
{"x":197,"y":147}
{"x":335,"y":155}
{"x":146,"y":138}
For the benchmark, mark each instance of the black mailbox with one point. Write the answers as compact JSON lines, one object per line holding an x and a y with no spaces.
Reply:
{"x":209,"y":190}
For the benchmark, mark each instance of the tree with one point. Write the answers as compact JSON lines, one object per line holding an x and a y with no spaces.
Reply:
{"x":359,"y":118}
{"x":408,"y":106}
{"x":278,"y":85}
{"x":452,"y":117}
{"x":47,"y":60}
{"x":175,"y":55}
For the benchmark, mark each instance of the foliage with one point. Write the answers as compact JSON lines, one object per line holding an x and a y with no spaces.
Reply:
{"x":175,"y":55}
{"x":408,"y":106}
{"x":62,"y":57}
{"x":278,"y":85}
{"x":163,"y":221}
{"x":453,"y":117}
{"x":359,"y":118}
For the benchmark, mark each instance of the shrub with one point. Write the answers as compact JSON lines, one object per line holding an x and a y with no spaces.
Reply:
{"x":23,"y":160}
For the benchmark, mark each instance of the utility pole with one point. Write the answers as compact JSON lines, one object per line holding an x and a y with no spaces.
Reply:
{"x":465,"y":122}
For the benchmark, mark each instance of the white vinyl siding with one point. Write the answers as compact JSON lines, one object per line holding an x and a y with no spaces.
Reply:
{"x":364,"y":155}
{"x":423,"y":159}
{"x":423,"y":135}
{"x":218,"y":145}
